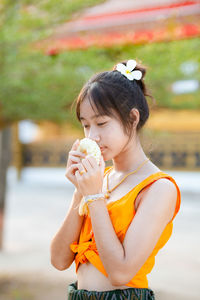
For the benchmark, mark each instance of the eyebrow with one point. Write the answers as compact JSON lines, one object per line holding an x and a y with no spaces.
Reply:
{"x":93,"y":117}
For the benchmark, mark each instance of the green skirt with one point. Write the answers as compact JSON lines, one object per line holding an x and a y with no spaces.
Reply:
{"x":129,"y":294}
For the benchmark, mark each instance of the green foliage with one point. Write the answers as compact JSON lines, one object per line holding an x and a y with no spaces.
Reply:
{"x":29,"y":20}
{"x":33,"y":85}
{"x":38,"y":87}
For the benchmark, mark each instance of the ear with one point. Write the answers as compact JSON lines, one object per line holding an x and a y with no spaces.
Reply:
{"x":135,"y":116}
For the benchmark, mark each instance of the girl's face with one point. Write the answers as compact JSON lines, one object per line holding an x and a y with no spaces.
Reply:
{"x":106,"y":131}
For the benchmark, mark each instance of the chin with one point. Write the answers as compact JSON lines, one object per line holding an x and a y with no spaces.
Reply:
{"x":106,"y":157}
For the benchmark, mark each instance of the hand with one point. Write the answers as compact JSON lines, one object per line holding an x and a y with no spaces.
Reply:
{"x":91,"y":181}
{"x":74,"y":157}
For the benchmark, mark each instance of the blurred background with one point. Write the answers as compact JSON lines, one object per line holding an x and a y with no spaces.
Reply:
{"x":48,"y":50}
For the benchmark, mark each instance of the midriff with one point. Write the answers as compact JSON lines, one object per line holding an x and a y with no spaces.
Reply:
{"x":89,"y":278}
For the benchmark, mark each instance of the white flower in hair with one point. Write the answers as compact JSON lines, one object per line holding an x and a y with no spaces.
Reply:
{"x":128,"y":70}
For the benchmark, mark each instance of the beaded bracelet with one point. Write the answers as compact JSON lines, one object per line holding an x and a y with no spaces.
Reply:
{"x":91,"y":198}
{"x":83,"y":207}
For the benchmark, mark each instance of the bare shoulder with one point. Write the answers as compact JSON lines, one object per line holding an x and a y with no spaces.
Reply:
{"x":161,"y":196}
{"x":164,"y":184}
{"x":162,"y":187}
{"x":161,"y":184}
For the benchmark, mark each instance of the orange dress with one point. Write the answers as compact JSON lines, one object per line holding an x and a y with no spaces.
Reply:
{"x":122,"y":213}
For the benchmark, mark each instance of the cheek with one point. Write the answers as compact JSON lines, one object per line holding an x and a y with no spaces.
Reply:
{"x":109,"y":137}
{"x":114,"y":135}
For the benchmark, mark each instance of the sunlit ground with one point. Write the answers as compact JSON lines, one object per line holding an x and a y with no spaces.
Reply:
{"x":36,"y":207}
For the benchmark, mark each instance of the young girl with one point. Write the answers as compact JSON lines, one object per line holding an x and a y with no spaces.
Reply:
{"x":133,"y":203}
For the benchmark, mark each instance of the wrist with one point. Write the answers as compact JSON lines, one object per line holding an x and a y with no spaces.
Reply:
{"x":93,"y":193}
{"x":77,"y":192}
{"x":77,"y":196}
{"x":96,"y":200}
{"x":96,"y":203}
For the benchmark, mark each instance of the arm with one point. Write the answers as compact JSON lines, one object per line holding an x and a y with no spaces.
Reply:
{"x":123,"y":261}
{"x":61,"y":254}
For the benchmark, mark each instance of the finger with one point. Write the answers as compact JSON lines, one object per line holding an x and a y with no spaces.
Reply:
{"x":102,"y":162}
{"x":74,"y":159}
{"x":77,"y":153}
{"x":71,"y":170}
{"x":92,"y":160}
{"x":102,"y":165}
{"x":75,"y":144}
{"x":75,"y":167}
{"x":87,"y":165}
{"x":81,"y":169}
{"x":78,"y":176}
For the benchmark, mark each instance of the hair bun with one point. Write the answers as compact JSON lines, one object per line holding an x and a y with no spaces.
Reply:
{"x":139,"y":67}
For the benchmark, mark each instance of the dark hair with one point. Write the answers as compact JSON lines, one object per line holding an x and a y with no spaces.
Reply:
{"x":111,"y":92}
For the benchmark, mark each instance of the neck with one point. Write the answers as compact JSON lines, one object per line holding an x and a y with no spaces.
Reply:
{"x":130,"y":158}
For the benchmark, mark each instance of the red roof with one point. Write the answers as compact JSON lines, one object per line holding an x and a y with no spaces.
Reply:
{"x":134,"y":26}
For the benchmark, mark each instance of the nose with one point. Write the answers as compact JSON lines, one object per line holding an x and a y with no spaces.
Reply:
{"x":93,"y":135}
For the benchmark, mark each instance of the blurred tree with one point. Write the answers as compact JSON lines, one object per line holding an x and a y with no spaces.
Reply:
{"x":26,"y":88}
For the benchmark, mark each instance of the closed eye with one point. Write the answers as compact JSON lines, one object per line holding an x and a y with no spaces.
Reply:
{"x":99,"y":124}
